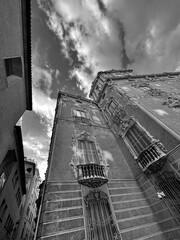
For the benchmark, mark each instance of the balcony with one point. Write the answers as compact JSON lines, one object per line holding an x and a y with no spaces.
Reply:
{"x":91,"y":175}
{"x":152,"y":158}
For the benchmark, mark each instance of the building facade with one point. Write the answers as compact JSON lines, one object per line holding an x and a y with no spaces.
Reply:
{"x":15,"y":98}
{"x":113,"y":167}
{"x":26,"y":227}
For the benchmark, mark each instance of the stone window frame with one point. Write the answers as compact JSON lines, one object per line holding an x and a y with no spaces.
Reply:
{"x":100,"y":221}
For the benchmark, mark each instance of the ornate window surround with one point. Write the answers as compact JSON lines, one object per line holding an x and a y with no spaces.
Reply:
{"x":75,"y":161}
{"x":151,"y":157}
{"x":100,"y":222}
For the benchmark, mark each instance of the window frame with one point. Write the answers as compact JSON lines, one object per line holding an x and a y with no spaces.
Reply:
{"x":89,"y":151}
{"x":81,"y":115}
{"x":13,"y":74}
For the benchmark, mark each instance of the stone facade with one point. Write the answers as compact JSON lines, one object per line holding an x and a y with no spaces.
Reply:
{"x":112,"y":168}
{"x":26,"y":228}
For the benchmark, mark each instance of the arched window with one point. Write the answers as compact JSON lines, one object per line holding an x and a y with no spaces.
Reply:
{"x":100,"y":221}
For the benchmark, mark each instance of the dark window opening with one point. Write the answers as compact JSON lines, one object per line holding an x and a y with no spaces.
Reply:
{"x":13,"y":66}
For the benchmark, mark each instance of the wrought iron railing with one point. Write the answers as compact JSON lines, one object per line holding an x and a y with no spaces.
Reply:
{"x":152,"y":158}
{"x":170,"y":185}
{"x":91,"y":175}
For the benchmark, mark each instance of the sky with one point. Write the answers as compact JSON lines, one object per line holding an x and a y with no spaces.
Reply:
{"x":74,"y":39}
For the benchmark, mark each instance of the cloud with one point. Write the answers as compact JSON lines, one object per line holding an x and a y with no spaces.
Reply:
{"x":44,"y":106}
{"x":107,"y":156}
{"x":36,"y":148}
{"x":142,"y":35}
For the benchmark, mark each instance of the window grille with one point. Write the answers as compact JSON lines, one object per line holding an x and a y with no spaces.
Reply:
{"x":88,"y":152}
{"x":170,"y":185}
{"x":100,"y":221}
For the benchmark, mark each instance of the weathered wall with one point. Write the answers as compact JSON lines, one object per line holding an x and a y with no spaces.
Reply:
{"x":62,"y":151}
{"x":12,"y":98}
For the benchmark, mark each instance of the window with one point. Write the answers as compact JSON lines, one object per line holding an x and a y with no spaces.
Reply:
{"x":13,"y":66}
{"x":116,"y":111}
{"x":112,"y":106}
{"x":100,"y":221}
{"x":9,"y":225}
{"x":137,"y":138}
{"x":15,"y":179}
{"x":18,"y":197}
{"x":81,"y":115}
{"x":103,"y":96}
{"x":3,"y":209}
{"x":87,"y":152}
{"x":5,"y":168}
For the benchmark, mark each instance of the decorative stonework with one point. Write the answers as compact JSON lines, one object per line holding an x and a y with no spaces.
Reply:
{"x":152,"y":159}
{"x":172,"y":102}
{"x":98,"y":171}
{"x":91,"y":175}
{"x":99,"y":217}
{"x":125,"y":125}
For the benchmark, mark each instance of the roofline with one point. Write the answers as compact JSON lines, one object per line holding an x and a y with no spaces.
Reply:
{"x":26,"y":31}
{"x":74,"y":96}
{"x":129,"y":76}
{"x":20,"y":158}
{"x":152,"y":75}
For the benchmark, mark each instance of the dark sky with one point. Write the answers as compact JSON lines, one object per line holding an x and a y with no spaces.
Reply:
{"x":74,"y":39}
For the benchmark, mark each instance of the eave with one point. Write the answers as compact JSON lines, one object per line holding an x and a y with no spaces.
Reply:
{"x":26,"y":32}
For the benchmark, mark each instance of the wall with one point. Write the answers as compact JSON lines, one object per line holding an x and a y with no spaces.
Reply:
{"x":12,"y":98}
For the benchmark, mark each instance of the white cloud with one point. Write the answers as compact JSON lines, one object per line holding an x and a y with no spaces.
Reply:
{"x":107,"y":156}
{"x":161,"y":112}
{"x":148,"y":31}
{"x":37,"y":149}
{"x":44,"y":106}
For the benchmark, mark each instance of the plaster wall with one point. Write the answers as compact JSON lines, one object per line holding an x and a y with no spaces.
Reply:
{"x":12,"y":97}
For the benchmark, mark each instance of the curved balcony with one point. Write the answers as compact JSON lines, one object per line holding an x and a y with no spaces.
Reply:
{"x":91,"y":175}
{"x":152,"y":158}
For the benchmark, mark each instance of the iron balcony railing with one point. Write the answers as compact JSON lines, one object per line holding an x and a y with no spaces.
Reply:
{"x":152,"y":158}
{"x":91,"y":175}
